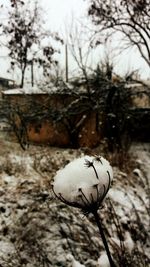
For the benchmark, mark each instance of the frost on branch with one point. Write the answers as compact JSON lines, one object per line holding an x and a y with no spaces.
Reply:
{"x":84,"y":182}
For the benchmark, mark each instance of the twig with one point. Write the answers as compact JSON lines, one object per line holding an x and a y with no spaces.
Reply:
{"x":99,"y":225}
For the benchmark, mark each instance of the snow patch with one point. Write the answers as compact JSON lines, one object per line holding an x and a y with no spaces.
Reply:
{"x":83,"y":181}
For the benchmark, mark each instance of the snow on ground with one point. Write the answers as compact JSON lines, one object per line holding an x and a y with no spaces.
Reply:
{"x":38,"y":230}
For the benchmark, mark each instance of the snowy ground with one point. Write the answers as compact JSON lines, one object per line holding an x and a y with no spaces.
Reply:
{"x":36,"y":230}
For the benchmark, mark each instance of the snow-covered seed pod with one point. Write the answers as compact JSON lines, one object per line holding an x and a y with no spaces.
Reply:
{"x":84,"y":182}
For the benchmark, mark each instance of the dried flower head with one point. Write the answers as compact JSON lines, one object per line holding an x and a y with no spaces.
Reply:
{"x":84,"y":182}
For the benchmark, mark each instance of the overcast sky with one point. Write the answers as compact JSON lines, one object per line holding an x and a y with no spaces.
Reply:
{"x":61,"y":11}
{"x":59,"y":14}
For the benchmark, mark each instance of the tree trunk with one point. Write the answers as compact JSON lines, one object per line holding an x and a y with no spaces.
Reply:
{"x":22,"y":77}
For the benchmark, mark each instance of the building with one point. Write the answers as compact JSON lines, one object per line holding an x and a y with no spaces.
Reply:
{"x":39,"y":108}
{"x":6,"y":83}
{"x":42,"y":115}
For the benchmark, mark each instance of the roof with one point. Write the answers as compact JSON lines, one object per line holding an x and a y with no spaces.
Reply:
{"x":29,"y":91}
{"x":138,"y":84}
{"x":38,"y":90}
{"x":6,"y":79}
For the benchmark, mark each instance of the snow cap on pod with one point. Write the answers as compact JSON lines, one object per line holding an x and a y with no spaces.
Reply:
{"x":84,"y":182}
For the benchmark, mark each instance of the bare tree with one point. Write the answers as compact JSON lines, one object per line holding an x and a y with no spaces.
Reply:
{"x":79,"y":43}
{"x":25,"y":31}
{"x":131,"y":18}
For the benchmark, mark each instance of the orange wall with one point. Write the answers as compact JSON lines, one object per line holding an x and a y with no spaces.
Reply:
{"x":46,"y":131}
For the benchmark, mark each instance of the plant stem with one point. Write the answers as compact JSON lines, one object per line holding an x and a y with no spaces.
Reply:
{"x":101,"y":231}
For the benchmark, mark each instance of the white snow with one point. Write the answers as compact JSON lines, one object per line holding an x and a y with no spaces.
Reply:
{"x":128,"y":242}
{"x":84,"y":180}
{"x":22,"y":208}
{"x":29,"y":90}
{"x":74,"y":263}
{"x":137,"y":172}
{"x":5,"y":248}
{"x":103,"y":260}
